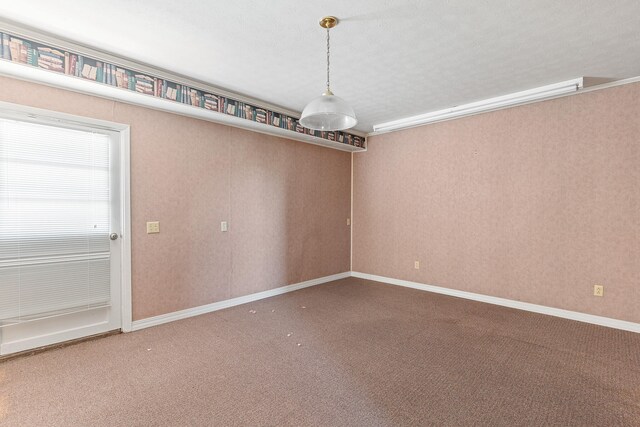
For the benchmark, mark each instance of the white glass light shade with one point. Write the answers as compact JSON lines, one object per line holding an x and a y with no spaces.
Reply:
{"x":328,"y":112}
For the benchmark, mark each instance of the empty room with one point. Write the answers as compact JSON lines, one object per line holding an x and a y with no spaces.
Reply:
{"x":320,"y":213}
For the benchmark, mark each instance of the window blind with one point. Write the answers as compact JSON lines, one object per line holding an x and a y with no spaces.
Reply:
{"x":54,"y":220}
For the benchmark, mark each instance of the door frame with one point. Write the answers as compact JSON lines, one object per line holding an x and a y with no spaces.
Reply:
{"x":122,"y":131}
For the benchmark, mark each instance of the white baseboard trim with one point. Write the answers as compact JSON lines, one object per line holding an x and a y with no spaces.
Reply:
{"x":551,"y":311}
{"x":208,"y":308}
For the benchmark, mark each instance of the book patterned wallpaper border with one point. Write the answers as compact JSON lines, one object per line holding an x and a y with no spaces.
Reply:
{"x":28,"y":52}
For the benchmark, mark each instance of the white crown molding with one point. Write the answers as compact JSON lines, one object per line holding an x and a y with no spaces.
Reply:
{"x":477,"y":107}
{"x":50,"y":78}
{"x":483,"y":106}
{"x":535,"y":308}
{"x":74,"y":84}
{"x":63,"y":43}
{"x":203,"y":309}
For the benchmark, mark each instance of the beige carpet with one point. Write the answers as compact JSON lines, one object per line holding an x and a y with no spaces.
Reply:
{"x":351,"y":352}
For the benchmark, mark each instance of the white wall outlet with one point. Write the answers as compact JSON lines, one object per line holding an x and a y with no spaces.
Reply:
{"x":224,"y":226}
{"x":598,"y":290}
{"x":416,"y":265}
{"x":153,"y":227}
{"x":348,"y":221}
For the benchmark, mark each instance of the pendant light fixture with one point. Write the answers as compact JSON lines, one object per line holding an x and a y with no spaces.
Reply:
{"x":328,"y":112}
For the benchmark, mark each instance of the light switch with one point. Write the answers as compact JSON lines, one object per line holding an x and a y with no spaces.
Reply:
{"x":224,"y":227}
{"x":348,"y":221}
{"x":153,"y":227}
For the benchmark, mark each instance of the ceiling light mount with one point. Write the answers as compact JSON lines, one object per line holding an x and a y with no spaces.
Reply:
{"x":329,"y":22}
{"x":328,"y":112}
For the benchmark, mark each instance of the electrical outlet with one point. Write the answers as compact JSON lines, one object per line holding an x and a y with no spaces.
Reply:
{"x":153,"y":227}
{"x":598,"y":290}
{"x":416,"y":265}
{"x":348,"y":221}
{"x":224,"y":226}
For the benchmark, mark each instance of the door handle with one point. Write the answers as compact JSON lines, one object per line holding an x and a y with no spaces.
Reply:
{"x":113,"y":236}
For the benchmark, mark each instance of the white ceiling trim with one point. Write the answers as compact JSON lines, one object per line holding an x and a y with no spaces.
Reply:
{"x":63,"y":81}
{"x":491,"y":104}
{"x":20,"y":71}
{"x":62,"y":43}
{"x":543,"y":93}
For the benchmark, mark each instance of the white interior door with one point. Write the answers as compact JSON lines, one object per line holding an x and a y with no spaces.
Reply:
{"x":60,"y":232}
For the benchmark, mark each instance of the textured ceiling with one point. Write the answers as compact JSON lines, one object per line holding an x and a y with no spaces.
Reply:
{"x":390,"y":59}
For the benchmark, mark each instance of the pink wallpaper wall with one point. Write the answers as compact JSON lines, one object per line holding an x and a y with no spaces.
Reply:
{"x":535,"y":203}
{"x":286,"y":203}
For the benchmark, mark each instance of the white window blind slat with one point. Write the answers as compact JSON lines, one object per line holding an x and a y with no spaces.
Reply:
{"x":54,"y":220}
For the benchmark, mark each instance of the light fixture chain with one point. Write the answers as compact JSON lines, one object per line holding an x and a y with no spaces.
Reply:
{"x":328,"y":61}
